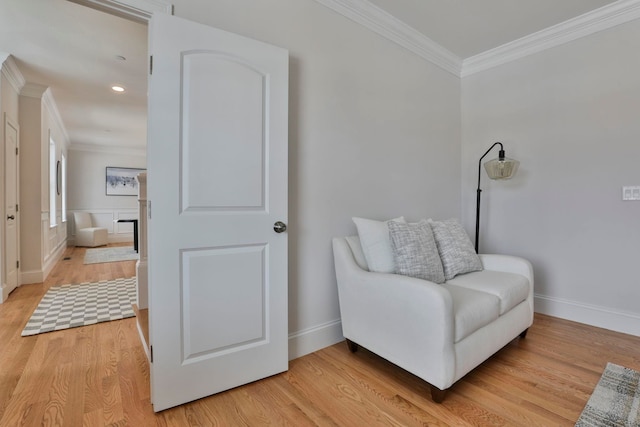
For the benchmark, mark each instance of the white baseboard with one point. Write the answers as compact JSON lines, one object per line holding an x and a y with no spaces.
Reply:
{"x":120,"y":238}
{"x":53,"y":259}
{"x":601,"y":317}
{"x":111,"y":238}
{"x":38,"y":276}
{"x":31,"y":276}
{"x":315,"y":338}
{"x":4,"y":292}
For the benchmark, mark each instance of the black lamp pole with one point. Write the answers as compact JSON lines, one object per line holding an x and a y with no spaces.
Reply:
{"x":501,"y":156}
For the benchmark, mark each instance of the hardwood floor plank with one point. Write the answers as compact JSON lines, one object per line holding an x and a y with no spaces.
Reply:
{"x":402,"y":389}
{"x":98,"y":375}
{"x":309,"y":410}
{"x":58,"y":394}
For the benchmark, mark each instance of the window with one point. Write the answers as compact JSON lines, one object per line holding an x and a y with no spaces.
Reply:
{"x":63,"y":193}
{"x":53,"y":183}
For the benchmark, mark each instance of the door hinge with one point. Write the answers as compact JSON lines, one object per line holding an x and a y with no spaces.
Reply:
{"x":17,"y":208}
{"x":151,"y":353}
{"x":149,"y":208}
{"x":17,"y":151}
{"x":150,"y":64}
{"x":17,"y":264}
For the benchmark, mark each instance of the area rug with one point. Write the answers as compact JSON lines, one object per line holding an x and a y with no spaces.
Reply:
{"x":70,"y":306}
{"x":118,"y":253}
{"x":615,"y":400}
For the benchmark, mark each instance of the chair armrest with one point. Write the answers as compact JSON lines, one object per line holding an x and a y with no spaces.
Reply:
{"x":407,"y":321}
{"x":508,"y":264}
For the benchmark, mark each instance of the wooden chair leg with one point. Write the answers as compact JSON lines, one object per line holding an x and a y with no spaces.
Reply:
{"x":524,"y":333}
{"x":437,"y":395}
{"x":353,"y":347}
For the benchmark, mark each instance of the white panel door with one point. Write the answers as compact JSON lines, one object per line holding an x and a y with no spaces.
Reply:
{"x":217,"y":184}
{"x":11,"y":230}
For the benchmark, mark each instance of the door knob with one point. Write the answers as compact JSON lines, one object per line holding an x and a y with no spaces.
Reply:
{"x":13,"y":217}
{"x":279,"y":227}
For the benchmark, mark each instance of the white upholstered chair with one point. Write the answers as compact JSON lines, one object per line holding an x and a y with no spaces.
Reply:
{"x":86,"y":233}
{"x":438,"y":332}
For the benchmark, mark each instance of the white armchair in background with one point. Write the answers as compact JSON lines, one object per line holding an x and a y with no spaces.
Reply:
{"x":86,"y":233}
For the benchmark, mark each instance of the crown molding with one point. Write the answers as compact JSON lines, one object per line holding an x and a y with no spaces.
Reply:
{"x":33,"y":90}
{"x":43,"y":93}
{"x":11,"y":71}
{"x":135,"y":10}
{"x":581,"y":26}
{"x":50,"y":103}
{"x":108,"y":149}
{"x":377,"y":20}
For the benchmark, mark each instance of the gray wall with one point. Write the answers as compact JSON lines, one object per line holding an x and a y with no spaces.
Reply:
{"x":571,"y":115}
{"x":374,"y":131}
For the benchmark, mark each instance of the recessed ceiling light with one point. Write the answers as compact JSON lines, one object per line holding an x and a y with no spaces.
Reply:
{"x":117,"y":88}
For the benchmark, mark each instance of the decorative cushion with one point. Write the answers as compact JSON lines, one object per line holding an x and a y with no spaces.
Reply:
{"x":471,"y":309}
{"x":415,"y":252}
{"x":456,"y":251}
{"x":510,"y":288}
{"x":374,"y":238}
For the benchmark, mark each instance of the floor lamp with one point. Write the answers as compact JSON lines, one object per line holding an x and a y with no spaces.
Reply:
{"x":500,"y":168}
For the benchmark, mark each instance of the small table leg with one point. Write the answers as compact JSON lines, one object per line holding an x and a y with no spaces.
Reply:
{"x":135,"y":235}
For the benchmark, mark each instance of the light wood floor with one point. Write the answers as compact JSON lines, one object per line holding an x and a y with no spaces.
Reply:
{"x":98,"y":375}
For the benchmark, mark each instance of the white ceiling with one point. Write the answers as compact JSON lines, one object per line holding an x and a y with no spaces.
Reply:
{"x":73,"y":50}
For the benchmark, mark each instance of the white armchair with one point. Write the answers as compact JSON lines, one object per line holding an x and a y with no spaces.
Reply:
{"x":437,"y":332}
{"x":86,"y":233}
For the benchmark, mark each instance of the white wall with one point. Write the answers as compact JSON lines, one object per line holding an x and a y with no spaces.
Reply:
{"x":571,"y":115}
{"x":374,"y":131}
{"x":87,"y":189}
{"x":40,"y":244}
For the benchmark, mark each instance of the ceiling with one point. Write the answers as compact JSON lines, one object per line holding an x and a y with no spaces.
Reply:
{"x":77,"y":52}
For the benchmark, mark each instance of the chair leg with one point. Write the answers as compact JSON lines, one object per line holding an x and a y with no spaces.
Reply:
{"x":437,"y":395}
{"x":353,"y":347}
{"x":523,"y":334}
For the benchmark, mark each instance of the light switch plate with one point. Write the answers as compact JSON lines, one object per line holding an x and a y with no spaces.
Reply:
{"x":631,"y":192}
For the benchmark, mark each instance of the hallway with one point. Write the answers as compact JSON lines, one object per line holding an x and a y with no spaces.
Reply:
{"x":81,"y":376}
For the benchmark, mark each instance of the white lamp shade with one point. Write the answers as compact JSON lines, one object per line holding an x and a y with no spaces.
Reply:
{"x":501,"y":168}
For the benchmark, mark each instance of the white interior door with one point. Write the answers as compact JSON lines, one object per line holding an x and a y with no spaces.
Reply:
{"x":217,"y":183}
{"x":11,"y":230}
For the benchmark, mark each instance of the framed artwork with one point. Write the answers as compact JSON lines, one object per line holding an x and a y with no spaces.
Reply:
{"x":122,"y":181}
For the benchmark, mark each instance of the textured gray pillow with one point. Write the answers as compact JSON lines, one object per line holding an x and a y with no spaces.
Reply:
{"x":456,"y":251}
{"x":415,"y":251}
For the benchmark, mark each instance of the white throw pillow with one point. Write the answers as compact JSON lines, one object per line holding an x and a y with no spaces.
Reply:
{"x":376,"y":244}
{"x":456,"y":251}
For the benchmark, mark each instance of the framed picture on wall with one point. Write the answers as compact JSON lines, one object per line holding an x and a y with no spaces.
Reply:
{"x":122,"y":181}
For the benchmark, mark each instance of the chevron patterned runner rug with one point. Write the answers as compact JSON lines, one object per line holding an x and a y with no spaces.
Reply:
{"x":615,"y":401}
{"x":70,"y":306}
